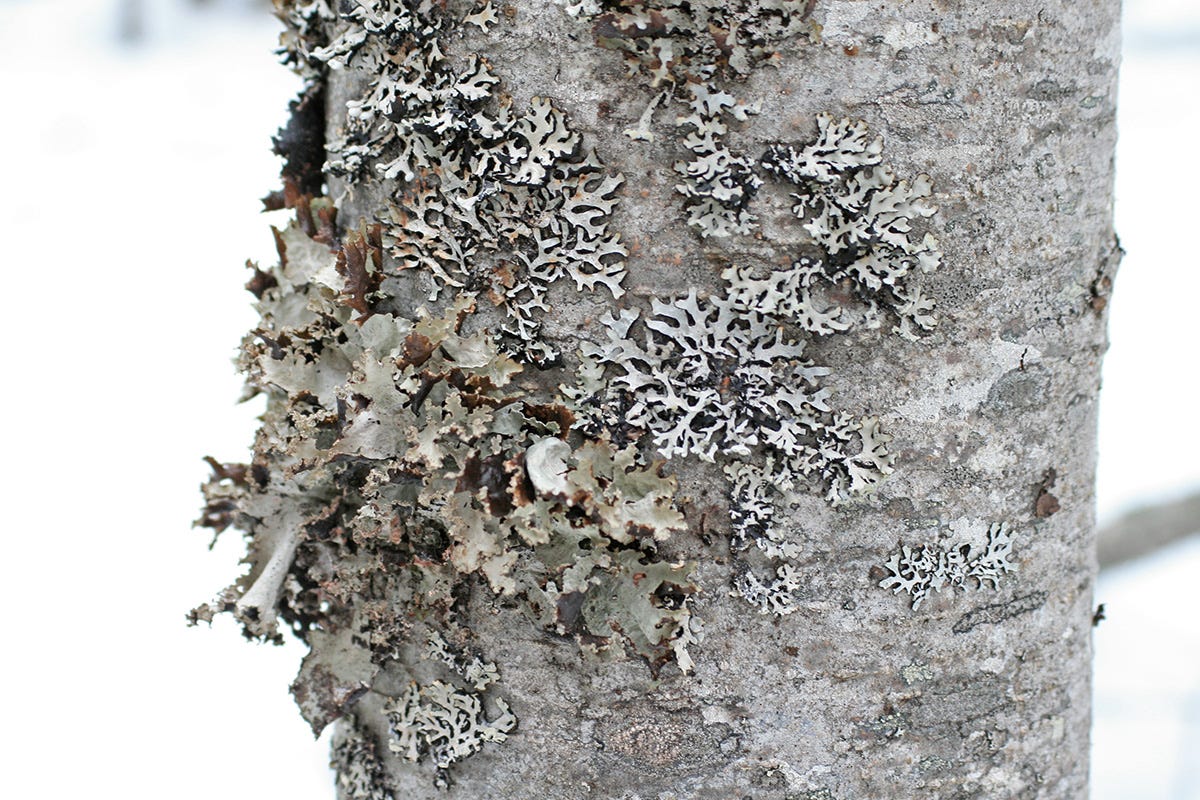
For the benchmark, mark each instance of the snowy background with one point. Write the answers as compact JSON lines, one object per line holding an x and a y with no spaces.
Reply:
{"x":1146,"y":736}
{"x":134,"y":165}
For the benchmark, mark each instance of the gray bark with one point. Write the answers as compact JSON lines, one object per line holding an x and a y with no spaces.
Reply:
{"x":980,"y":689}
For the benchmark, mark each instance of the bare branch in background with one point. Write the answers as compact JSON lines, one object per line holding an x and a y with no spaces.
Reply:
{"x":131,"y":21}
{"x":1146,"y":529}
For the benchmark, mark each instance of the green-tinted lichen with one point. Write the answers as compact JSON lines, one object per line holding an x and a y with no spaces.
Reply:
{"x":391,"y":473}
{"x":406,"y":468}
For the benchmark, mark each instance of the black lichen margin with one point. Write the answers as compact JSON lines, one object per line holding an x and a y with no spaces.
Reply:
{"x":724,"y":377}
{"x":402,"y":472}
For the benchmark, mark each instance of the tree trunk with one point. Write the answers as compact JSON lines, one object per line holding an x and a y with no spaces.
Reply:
{"x":686,"y":400}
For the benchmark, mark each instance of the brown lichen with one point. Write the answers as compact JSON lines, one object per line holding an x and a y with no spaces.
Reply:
{"x":401,"y":470}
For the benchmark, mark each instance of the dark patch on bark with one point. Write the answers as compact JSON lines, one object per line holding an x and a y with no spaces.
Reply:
{"x":323,"y":698}
{"x":232,"y":472}
{"x":1049,"y":91}
{"x":1103,"y":283}
{"x":261,"y":282}
{"x":891,"y":725}
{"x":429,"y":541}
{"x":569,"y":612}
{"x":1046,"y":503}
{"x":551,"y":413}
{"x":316,"y":216}
{"x":360,"y":263}
{"x":418,"y":348}
{"x":1019,"y":389}
{"x":998,"y":612}
{"x":488,"y":473}
{"x":301,"y":142}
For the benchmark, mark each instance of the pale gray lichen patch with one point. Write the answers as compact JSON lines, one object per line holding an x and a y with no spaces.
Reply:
{"x":717,"y":378}
{"x":917,"y":571}
{"x":712,"y":378}
{"x":753,"y":504}
{"x":489,"y":198}
{"x":916,"y":672}
{"x":718,"y":183}
{"x":709,"y":379}
{"x":861,"y":246}
{"x":860,"y":216}
{"x":777,"y":597}
{"x":444,"y":722}
{"x":477,"y":673}
{"x":689,"y":50}
{"x":856,"y":212}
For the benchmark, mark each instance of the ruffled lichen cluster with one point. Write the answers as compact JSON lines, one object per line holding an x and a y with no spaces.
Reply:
{"x":407,"y":435}
{"x":398,"y":463}
{"x":418,"y":459}
{"x":860,"y":217}
{"x":689,"y":51}
{"x":488,"y":197}
{"x":713,"y":378}
{"x":719,"y":379}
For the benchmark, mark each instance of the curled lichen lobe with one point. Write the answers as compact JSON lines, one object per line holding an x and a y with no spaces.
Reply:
{"x":419,"y":460}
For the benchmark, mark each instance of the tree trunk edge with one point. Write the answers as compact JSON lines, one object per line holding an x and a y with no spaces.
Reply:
{"x":980,"y":693}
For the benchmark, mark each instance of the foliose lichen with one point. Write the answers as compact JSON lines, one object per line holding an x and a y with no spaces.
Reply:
{"x":355,"y":761}
{"x":443,"y":722}
{"x":489,"y":198}
{"x":717,"y":377}
{"x":917,"y":571}
{"x":725,"y":378}
{"x":856,"y":211}
{"x":398,"y":464}
{"x":406,"y":467}
{"x":777,"y":597}
{"x":860,"y":216}
{"x":687,"y":51}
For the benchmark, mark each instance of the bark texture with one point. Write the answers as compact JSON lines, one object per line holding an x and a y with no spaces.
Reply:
{"x":970,"y":679}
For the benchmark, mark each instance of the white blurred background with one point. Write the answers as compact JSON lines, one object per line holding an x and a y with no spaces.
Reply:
{"x":165,"y":116}
{"x":1146,"y":734}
